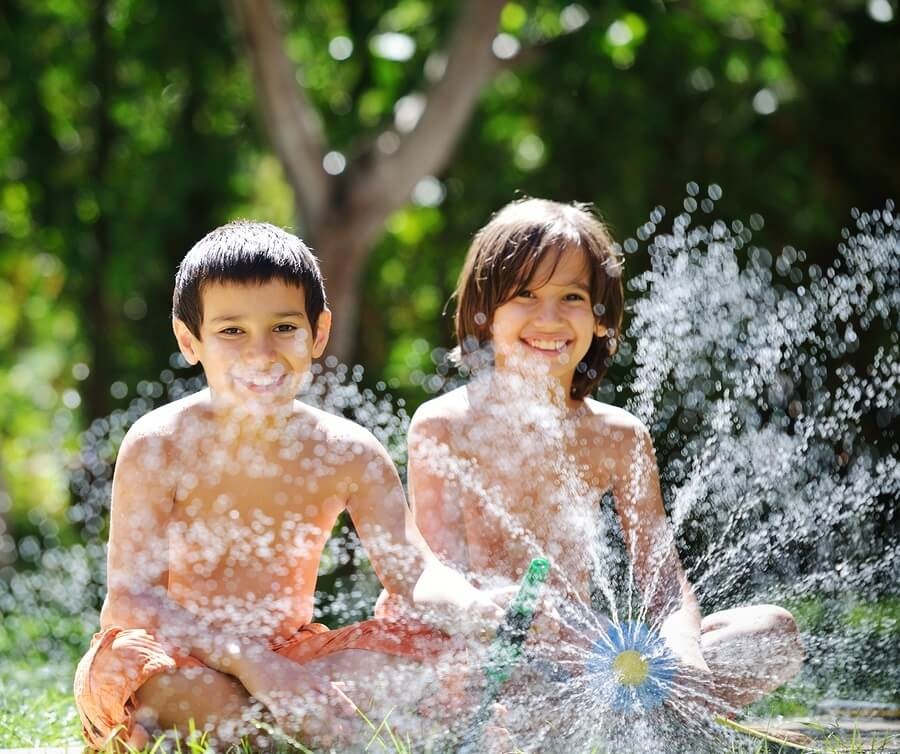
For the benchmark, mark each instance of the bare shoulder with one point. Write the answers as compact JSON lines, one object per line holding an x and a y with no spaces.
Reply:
{"x":334,"y":439}
{"x":165,"y":429}
{"x":345,"y":457}
{"x":606,"y":416}
{"x":154,"y":454}
{"x":618,"y":432}
{"x":441,"y":417}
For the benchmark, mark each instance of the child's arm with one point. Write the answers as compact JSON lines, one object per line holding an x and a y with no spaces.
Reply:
{"x":138,"y":556}
{"x":648,"y":535}
{"x":138,"y":552}
{"x":400,"y":556}
{"x":438,"y":515}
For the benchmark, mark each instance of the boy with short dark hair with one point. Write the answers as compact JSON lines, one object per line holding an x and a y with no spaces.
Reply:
{"x":222,"y":504}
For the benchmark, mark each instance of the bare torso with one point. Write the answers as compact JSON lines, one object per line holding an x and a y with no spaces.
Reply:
{"x":527,"y":481}
{"x":250,"y":515}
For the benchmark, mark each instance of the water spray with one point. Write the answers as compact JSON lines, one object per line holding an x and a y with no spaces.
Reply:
{"x":631,"y":666}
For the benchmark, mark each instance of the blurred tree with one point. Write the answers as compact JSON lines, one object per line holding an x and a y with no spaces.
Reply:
{"x":127,"y":132}
{"x":771,"y":102}
{"x":343,"y":199}
{"x":122,"y":127}
{"x":364,"y":104}
{"x":126,"y":137}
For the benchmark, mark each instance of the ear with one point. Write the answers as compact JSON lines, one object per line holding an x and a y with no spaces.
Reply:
{"x":600,"y":329}
{"x":186,"y":341}
{"x":323,"y":330}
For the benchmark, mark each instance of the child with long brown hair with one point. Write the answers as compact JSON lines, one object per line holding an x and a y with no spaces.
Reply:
{"x":521,"y":461}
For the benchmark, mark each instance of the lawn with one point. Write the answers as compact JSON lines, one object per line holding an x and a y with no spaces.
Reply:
{"x":36,"y":679}
{"x":38,"y":653}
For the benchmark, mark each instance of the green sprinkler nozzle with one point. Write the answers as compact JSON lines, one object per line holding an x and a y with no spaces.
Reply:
{"x":506,"y":647}
{"x":507,"y":644}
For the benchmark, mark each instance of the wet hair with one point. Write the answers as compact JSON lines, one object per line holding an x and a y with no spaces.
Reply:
{"x":503,"y":259}
{"x":246,"y":253}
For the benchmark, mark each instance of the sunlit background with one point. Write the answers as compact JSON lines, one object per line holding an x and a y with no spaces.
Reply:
{"x":129,"y":129}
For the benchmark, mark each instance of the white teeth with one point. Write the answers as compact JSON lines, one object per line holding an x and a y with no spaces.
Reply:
{"x":260,"y":381}
{"x":547,"y":345}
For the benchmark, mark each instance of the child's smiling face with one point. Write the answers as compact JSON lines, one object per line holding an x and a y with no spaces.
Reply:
{"x":256,"y":341}
{"x":550,"y":322}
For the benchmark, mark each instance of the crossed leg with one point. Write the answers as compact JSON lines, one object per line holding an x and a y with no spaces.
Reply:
{"x":220,"y":705}
{"x":750,"y":651}
{"x":217,"y":703}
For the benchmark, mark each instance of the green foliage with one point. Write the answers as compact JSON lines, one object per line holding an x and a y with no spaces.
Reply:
{"x":39,"y":656}
{"x":626,"y":109}
{"x":123,"y":125}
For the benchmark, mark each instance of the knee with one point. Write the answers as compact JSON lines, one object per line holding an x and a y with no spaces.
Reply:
{"x":172,"y":698}
{"x":778,"y":620}
{"x":782,"y":627}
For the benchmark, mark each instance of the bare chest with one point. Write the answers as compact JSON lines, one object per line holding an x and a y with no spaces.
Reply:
{"x":251,"y":520}
{"x":527,"y":496}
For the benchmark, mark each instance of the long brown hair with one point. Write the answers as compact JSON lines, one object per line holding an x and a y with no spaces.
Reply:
{"x":503,"y":259}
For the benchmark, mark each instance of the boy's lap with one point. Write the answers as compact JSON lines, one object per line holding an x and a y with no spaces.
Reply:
{"x":161,"y":700}
{"x":121,"y":661}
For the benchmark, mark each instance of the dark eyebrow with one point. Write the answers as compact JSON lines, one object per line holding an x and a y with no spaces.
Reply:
{"x":281,"y":315}
{"x":276,"y":315}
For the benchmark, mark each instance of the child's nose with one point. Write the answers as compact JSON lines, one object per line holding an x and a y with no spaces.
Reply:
{"x":548,"y":312}
{"x":260,"y":349}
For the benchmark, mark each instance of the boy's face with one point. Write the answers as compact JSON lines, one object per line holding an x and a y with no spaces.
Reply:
{"x":550,"y":324}
{"x":256,"y":342}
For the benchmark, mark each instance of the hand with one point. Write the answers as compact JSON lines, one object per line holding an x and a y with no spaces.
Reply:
{"x":502,"y":596}
{"x":298,"y":699}
{"x":695,"y":683}
{"x":548,"y":630}
{"x":684,"y":645}
{"x":690,"y":658}
{"x":451,"y":603}
{"x":684,"y":642}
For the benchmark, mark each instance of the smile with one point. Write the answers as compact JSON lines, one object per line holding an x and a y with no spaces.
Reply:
{"x":262,"y":384}
{"x":551,"y":347}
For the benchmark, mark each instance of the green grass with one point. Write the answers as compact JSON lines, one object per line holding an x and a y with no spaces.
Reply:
{"x":43,"y":716}
{"x":38,"y":654}
{"x":195,"y":743}
{"x":827,"y":741}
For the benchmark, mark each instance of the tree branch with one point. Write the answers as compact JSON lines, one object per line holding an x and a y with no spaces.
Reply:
{"x":450,"y":102}
{"x":292,"y":122}
{"x":530,"y":54}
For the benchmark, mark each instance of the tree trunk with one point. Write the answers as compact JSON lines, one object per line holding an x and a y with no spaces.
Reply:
{"x":343,"y":244}
{"x":343,"y":217}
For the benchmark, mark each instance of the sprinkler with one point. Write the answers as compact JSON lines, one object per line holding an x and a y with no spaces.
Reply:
{"x":632,"y":667}
{"x":506,"y":648}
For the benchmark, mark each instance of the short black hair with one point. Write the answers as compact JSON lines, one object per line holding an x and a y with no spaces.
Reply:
{"x":251,"y":253}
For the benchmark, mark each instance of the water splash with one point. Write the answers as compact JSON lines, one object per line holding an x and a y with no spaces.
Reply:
{"x":779,"y":464}
{"x":787,"y":474}
{"x":778,"y":455}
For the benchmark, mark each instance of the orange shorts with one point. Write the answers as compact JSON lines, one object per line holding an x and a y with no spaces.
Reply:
{"x":120,"y":661}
